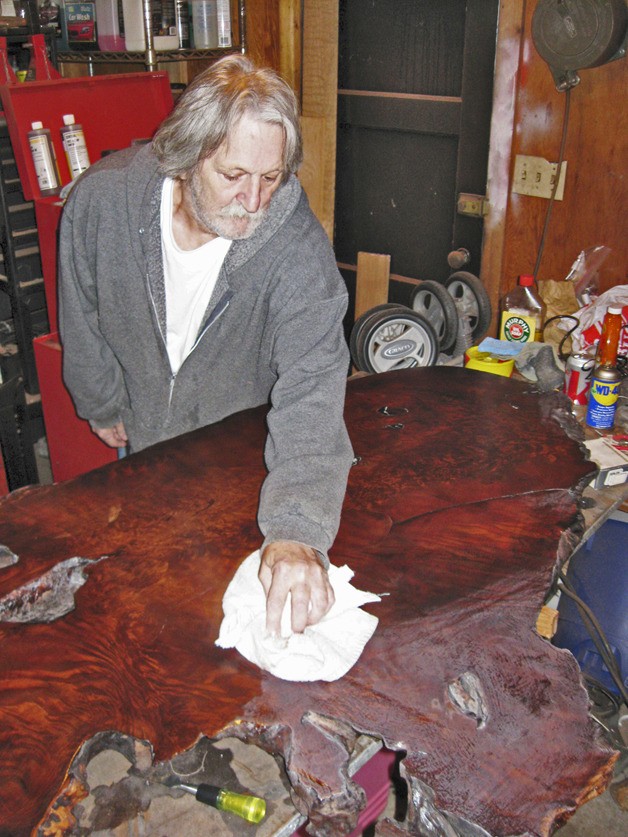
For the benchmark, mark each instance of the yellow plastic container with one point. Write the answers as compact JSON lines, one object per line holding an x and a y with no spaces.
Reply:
{"x":485,"y":362}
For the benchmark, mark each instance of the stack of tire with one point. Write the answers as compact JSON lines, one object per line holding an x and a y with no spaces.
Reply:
{"x":395,"y":336}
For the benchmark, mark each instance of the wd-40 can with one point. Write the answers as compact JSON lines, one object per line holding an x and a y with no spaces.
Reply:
{"x":603,"y":397}
{"x":578,"y":373}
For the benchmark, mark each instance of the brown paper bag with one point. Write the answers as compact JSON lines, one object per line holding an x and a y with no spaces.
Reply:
{"x":560,"y":299}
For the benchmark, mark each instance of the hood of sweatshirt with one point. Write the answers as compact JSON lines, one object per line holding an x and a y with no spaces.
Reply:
{"x":143,"y":199}
{"x":143,"y":185}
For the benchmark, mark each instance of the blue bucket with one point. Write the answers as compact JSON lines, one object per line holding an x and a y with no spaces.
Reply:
{"x":598,"y":572}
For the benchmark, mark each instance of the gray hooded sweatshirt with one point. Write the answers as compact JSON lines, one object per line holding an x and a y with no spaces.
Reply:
{"x":272,"y":334}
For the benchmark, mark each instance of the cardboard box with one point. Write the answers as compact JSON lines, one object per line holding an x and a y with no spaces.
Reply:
{"x":612,"y":460}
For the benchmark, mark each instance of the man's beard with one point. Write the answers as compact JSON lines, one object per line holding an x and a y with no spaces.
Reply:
{"x":232,"y":222}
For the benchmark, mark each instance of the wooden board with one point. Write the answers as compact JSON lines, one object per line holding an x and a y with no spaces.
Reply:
{"x":319,"y":87}
{"x":371,"y":283}
{"x":461,"y":503}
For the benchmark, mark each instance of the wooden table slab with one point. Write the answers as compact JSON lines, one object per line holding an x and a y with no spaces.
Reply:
{"x":463,"y":500}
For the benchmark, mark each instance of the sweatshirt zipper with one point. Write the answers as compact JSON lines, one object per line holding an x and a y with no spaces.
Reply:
{"x":218,"y":311}
{"x":163,"y":340}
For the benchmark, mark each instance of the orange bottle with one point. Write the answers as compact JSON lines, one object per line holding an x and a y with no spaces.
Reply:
{"x":609,"y":340}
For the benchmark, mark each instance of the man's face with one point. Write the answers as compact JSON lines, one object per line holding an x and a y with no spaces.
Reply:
{"x":228,"y":193}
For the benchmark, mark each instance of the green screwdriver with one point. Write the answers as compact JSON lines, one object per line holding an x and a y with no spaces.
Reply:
{"x":250,"y":808}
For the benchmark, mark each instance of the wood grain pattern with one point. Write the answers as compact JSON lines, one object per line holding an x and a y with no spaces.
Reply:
{"x":262,"y":32}
{"x":596,"y":190}
{"x":319,"y":95}
{"x":463,"y":499}
{"x":290,"y":42}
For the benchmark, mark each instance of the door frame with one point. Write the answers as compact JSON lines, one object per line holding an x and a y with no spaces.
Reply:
{"x":319,"y":101}
{"x":510,"y":26}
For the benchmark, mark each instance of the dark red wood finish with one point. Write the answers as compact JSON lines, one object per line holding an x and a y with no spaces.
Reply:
{"x":462,"y":502}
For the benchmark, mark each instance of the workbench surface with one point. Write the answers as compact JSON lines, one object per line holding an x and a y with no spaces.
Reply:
{"x":463,"y":501}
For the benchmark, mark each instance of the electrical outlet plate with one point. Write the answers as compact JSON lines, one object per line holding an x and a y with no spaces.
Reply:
{"x":536,"y":176}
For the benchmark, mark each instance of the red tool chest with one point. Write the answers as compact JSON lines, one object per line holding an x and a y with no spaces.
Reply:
{"x":72,"y":446}
{"x":115,"y":111}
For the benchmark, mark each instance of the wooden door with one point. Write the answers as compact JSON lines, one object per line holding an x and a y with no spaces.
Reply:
{"x":414,"y":107}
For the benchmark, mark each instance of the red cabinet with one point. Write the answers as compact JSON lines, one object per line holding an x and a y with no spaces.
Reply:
{"x":114,"y":111}
{"x":73,"y":447}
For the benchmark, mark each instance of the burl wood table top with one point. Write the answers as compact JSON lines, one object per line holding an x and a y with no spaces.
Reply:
{"x":462,"y":501}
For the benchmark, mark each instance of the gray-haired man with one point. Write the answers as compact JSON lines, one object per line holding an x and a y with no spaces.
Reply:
{"x":195,"y":282}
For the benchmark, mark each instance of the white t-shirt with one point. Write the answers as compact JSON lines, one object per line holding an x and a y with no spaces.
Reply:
{"x":190,"y":277}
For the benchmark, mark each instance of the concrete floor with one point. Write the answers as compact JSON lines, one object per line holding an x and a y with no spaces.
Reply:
{"x":601,"y":817}
{"x":604,"y":816}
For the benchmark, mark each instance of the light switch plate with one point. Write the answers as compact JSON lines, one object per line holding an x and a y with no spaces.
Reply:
{"x":535,"y":176}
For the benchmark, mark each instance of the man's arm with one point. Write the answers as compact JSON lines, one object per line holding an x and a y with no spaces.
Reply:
{"x":308,"y":455}
{"x":90,"y":370}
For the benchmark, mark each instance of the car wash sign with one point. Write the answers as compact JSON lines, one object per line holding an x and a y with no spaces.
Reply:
{"x":81,"y":25}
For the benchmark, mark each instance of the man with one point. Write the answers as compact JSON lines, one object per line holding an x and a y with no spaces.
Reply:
{"x":195,"y":282}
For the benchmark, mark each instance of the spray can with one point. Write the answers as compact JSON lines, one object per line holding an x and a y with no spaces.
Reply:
{"x":74,"y":144}
{"x":44,"y":159}
{"x":603,"y":397}
{"x":182,"y":21}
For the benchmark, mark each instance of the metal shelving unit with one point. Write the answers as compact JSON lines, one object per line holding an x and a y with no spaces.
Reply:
{"x":21,"y":275}
{"x":151,"y":57}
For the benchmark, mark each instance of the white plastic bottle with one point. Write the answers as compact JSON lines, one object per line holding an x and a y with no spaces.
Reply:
{"x":204,"y":24}
{"x":165,"y":36}
{"x":44,"y":159}
{"x":110,"y":38}
{"x":74,"y":145}
{"x":223,"y":9}
{"x":133,"y":13}
{"x":163,"y":26}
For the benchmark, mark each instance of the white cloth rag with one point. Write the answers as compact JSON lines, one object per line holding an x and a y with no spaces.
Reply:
{"x":324,"y":651}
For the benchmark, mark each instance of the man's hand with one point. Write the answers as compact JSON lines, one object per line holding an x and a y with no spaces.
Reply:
{"x":114,"y":436}
{"x":290,"y":567}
